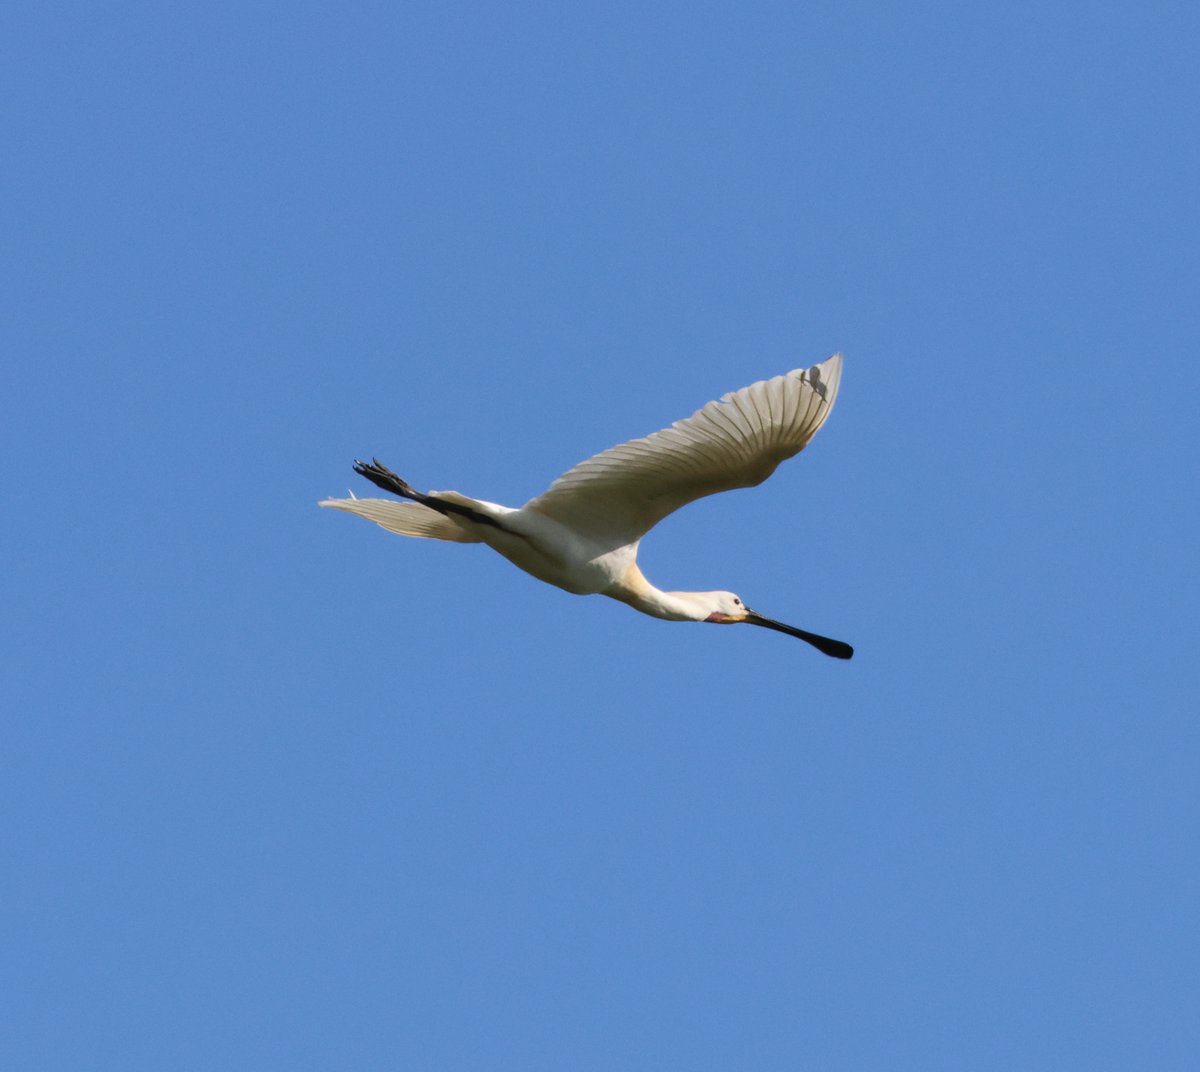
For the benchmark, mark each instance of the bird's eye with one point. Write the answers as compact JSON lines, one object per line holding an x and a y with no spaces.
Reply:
{"x":737,"y":602}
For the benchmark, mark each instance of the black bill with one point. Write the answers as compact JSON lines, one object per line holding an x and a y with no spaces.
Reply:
{"x":835,"y":648}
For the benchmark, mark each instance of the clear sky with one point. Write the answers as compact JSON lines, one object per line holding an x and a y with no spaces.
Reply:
{"x":281,"y":791}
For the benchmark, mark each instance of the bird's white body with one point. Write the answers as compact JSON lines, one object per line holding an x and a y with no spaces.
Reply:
{"x":582,"y":534}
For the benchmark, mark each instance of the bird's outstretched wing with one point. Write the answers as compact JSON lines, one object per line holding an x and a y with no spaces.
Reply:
{"x":621,"y":493}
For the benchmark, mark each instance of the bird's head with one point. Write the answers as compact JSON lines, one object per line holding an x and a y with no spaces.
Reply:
{"x":725,"y":608}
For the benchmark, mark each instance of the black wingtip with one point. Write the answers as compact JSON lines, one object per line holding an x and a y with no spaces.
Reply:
{"x":382,"y":477}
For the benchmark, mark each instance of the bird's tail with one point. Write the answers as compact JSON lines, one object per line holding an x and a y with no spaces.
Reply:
{"x":405,"y":518}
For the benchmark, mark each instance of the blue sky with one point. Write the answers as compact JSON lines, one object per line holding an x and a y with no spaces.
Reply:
{"x":281,"y":791}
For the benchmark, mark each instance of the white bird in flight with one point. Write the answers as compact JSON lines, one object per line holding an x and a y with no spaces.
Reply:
{"x":582,"y":533}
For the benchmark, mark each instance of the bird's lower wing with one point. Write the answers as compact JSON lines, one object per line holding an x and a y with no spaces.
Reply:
{"x":623,"y":492}
{"x":406,"y":519}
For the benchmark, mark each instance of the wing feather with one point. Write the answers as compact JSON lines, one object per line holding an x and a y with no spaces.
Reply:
{"x":621,"y":493}
{"x":404,"y":518}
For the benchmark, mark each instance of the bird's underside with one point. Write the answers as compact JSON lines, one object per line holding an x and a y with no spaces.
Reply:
{"x":582,"y":533}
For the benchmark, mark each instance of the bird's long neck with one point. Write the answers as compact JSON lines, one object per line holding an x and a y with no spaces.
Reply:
{"x":639,"y":593}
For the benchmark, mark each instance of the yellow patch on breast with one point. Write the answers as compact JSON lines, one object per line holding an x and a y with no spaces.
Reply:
{"x":633,"y":582}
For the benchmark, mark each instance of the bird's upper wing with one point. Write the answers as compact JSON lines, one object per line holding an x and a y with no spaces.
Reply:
{"x":621,"y":493}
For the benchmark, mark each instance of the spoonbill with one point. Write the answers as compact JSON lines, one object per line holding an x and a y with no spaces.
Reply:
{"x":582,"y":533}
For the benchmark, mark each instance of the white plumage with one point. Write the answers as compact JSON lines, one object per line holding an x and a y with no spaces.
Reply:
{"x":582,"y":533}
